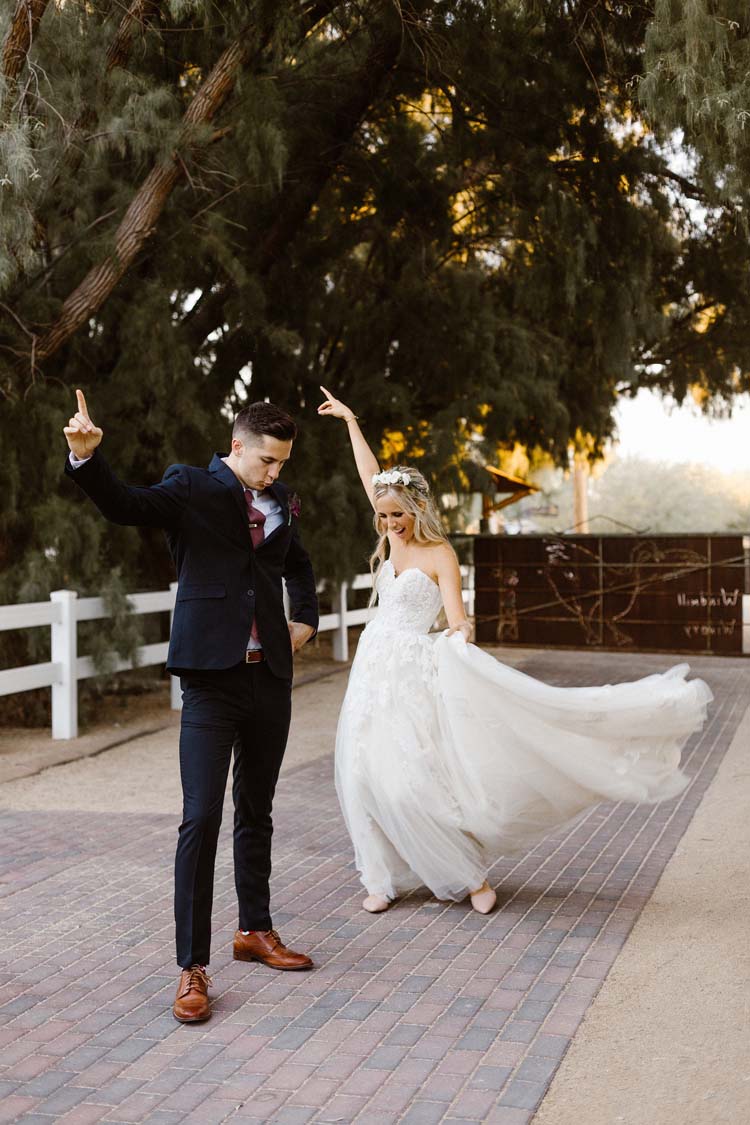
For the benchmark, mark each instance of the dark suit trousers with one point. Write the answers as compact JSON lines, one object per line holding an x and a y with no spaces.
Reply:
{"x":248,"y":708}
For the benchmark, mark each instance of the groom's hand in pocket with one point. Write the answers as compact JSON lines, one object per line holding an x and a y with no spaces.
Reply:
{"x":299,"y":634}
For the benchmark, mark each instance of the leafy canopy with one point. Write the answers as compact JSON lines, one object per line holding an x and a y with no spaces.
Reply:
{"x":452,"y":214}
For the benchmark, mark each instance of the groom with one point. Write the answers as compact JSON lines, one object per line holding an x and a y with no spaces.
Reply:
{"x":232,"y":533}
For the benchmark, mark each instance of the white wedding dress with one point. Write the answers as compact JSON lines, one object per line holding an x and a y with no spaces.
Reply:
{"x":447,"y":759}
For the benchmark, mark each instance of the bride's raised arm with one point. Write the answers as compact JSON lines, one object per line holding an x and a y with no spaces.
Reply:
{"x":364,"y":457}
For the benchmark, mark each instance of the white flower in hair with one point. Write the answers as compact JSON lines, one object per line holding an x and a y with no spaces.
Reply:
{"x":392,"y":477}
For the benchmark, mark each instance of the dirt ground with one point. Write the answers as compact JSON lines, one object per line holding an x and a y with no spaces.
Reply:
{"x":123,"y":715}
{"x":127,"y":760}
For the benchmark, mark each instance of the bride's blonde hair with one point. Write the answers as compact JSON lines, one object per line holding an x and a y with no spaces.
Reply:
{"x":416,"y":500}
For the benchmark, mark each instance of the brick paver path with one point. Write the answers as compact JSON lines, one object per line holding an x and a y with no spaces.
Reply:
{"x":426,"y":1013}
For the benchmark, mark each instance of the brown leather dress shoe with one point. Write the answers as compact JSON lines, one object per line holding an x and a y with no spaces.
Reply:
{"x":266,"y":946}
{"x":191,"y":1004}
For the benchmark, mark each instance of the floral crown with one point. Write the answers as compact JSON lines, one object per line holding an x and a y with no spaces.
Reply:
{"x":392,"y":476}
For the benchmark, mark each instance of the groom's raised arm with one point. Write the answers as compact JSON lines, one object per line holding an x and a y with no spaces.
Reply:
{"x":160,"y":505}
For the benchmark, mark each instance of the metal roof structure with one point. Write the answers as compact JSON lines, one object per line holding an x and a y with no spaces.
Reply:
{"x":513,"y":486}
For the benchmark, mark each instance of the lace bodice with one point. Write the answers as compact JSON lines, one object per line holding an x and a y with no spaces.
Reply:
{"x":407,"y":602}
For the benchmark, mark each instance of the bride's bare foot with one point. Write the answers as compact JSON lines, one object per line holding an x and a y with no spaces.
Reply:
{"x":376,"y":904}
{"x":484,"y":899}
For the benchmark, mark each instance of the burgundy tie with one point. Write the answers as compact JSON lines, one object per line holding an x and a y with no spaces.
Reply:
{"x":257,"y":519}
{"x":257,"y":534}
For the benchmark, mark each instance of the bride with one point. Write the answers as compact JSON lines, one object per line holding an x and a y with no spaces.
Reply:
{"x":445,"y":758}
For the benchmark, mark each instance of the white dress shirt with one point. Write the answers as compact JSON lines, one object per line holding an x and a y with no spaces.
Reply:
{"x":271,"y":509}
{"x":76,"y":461}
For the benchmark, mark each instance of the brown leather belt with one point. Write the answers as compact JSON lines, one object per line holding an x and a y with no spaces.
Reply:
{"x":254,"y":656}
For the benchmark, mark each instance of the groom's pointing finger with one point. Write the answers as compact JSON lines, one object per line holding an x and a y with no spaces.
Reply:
{"x":82,"y":402}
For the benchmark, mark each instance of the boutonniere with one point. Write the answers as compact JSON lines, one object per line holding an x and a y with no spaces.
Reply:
{"x":295,"y":506}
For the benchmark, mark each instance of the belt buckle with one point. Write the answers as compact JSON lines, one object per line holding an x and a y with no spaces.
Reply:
{"x":253,"y":656}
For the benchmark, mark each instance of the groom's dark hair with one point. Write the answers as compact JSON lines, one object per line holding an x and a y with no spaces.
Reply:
{"x":264,"y":418}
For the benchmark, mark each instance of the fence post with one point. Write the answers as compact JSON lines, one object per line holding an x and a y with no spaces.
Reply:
{"x":341,"y":636}
{"x":175,"y":694}
{"x":470,"y":589}
{"x":65,"y":653}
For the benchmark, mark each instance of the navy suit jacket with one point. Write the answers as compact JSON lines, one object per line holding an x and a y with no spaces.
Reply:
{"x":223,"y":581}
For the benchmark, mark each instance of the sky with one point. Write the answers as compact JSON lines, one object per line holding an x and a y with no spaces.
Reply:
{"x":648,"y":428}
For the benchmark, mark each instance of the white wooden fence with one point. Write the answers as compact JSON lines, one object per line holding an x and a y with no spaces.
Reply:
{"x":65,"y":609}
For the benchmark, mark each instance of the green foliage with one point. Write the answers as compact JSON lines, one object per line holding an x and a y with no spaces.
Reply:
{"x":698,"y":79}
{"x":120,"y":623}
{"x":449,"y":213}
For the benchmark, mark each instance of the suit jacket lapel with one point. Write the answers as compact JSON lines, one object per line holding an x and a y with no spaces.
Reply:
{"x":224,"y":474}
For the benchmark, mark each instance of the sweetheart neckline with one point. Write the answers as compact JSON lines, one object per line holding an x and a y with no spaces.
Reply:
{"x":406,"y":571}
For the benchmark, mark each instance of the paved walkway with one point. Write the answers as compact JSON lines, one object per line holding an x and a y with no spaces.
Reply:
{"x":666,"y":1039}
{"x":427,"y":1013}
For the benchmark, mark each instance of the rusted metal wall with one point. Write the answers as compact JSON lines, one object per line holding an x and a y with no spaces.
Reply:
{"x":669,"y":592}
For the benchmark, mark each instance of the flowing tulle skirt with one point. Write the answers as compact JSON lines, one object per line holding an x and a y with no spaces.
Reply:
{"x":447,"y":759}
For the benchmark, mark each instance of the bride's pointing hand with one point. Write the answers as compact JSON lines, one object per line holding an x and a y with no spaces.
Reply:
{"x":335,"y":408}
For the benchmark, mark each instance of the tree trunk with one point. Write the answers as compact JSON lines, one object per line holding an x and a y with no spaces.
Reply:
{"x":301,"y":194}
{"x":580,"y":494}
{"x":18,"y":40}
{"x":118,"y":53}
{"x":149,"y":201}
{"x":136,"y":15}
{"x":147,"y":205}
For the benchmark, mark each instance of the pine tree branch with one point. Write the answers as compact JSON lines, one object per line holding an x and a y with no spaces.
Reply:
{"x":43,"y":275}
{"x":136,"y":16}
{"x":304,"y":183}
{"x":206,"y":313}
{"x":142,"y":216}
{"x":118,"y":54}
{"x":23,"y":27}
{"x":681,"y":335}
{"x":304,"y":189}
{"x":691,"y":190}
{"x":147,"y":205}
